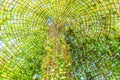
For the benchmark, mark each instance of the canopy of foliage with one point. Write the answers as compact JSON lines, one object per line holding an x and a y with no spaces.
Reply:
{"x":59,"y":39}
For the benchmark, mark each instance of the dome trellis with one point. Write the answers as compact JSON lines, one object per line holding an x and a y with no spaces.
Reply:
{"x":59,"y":39}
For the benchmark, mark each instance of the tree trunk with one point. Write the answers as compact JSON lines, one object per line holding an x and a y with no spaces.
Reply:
{"x":56,"y":64}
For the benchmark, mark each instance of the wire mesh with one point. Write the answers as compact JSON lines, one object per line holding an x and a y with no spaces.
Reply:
{"x":59,"y":39}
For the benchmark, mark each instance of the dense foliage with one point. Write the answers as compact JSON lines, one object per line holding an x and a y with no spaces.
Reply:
{"x":59,"y":39}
